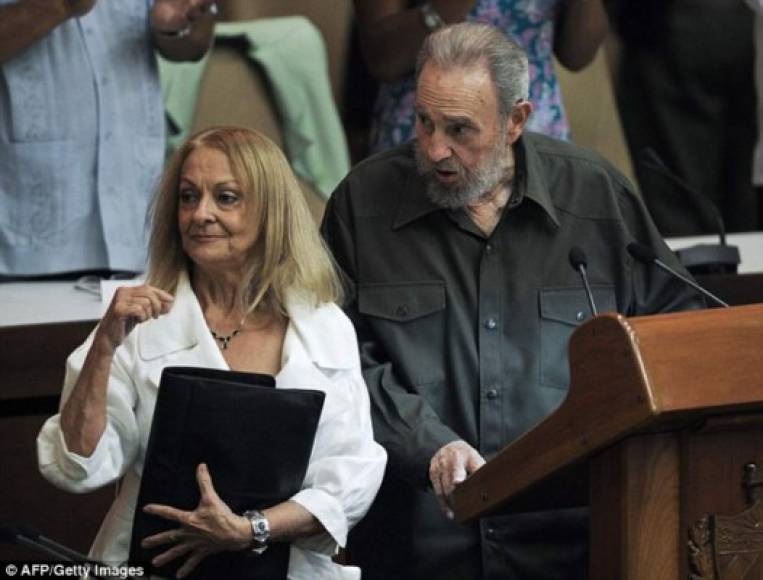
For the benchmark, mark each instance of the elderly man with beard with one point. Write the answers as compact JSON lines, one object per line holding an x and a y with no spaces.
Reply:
{"x":455,"y":253}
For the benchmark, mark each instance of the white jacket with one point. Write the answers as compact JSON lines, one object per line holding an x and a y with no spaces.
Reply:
{"x":319,"y":351}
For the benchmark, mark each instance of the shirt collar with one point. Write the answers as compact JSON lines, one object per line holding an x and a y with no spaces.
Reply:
{"x":306,"y":336}
{"x":178,"y":329}
{"x":312,"y":334}
{"x":530,"y":179}
{"x":530,"y":182}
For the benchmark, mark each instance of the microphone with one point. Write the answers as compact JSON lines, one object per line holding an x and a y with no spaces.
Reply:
{"x":31,"y":538}
{"x":646,"y":255}
{"x":578,"y":262}
{"x":699,"y":258}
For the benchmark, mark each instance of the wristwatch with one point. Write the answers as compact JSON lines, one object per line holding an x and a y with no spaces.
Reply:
{"x":432,"y":20}
{"x":260,"y":530}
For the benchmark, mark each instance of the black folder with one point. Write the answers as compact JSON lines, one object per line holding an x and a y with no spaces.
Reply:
{"x":256,"y":441}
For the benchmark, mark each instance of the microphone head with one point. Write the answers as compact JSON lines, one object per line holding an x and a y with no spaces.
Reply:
{"x":642,"y":253}
{"x":577,"y":258}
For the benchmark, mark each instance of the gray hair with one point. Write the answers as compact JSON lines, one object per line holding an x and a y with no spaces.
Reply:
{"x":466,"y":44}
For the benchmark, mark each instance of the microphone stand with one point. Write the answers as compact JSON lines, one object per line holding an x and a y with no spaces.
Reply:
{"x":30,"y":538}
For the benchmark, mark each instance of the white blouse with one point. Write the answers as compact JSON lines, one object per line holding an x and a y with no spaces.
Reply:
{"x":319,"y":351}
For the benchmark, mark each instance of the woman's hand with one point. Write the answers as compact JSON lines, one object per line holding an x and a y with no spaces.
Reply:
{"x":130,"y":306}
{"x":211,"y":528}
{"x":83,"y":416}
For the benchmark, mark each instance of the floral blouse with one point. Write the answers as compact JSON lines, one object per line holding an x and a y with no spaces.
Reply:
{"x":531,"y":24}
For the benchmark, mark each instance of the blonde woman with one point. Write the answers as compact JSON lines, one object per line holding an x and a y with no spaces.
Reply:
{"x":238,"y":279}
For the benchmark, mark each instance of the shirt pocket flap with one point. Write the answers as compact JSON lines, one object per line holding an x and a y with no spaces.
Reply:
{"x":401,"y":302}
{"x":570,"y":305}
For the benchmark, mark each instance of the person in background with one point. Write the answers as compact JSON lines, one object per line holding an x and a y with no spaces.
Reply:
{"x":757,"y":160}
{"x":82,"y":127}
{"x":392,"y":32}
{"x":238,"y":280}
{"x":685,"y":89}
{"x":455,"y":249}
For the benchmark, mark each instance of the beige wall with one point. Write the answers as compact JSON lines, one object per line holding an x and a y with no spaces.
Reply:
{"x":589,"y":98}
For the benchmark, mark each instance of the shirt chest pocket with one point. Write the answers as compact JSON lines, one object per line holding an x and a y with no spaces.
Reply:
{"x":562,"y":310}
{"x":408,"y":320}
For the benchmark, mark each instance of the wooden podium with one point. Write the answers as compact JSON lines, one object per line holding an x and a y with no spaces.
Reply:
{"x":662,"y":435}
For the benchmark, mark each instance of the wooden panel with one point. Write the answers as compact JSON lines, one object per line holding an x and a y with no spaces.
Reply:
{"x":32,"y":358}
{"x":704,"y":359}
{"x":607,"y":510}
{"x":27,"y":498}
{"x":634,"y":510}
{"x":713,"y":459}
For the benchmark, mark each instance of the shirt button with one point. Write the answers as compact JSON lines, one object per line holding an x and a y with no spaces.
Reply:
{"x":580,"y":315}
{"x":402,"y":310}
{"x":490,"y":533}
{"x":492,"y":393}
{"x":491,"y":324}
{"x":489,"y":249}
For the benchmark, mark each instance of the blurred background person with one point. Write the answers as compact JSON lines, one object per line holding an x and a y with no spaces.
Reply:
{"x":239,"y":279}
{"x":392,"y":32}
{"x":757,"y":160}
{"x":685,"y":89}
{"x":82,"y":127}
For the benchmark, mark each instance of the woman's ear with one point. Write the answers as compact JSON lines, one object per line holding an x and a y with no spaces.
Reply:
{"x":518,"y":117}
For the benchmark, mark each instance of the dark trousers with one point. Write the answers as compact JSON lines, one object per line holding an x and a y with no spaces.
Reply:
{"x":687,"y":91}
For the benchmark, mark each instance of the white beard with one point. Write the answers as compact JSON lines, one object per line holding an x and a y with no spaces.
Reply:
{"x":473,"y":183}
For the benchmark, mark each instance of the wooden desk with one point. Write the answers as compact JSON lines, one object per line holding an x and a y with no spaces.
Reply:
{"x":40,"y":325}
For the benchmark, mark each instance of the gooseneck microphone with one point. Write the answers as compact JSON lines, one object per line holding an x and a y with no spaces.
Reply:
{"x":579,"y":263}
{"x":646,"y":255}
{"x":31,"y":538}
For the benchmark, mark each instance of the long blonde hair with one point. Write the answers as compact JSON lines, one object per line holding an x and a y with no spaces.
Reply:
{"x":289,"y":254}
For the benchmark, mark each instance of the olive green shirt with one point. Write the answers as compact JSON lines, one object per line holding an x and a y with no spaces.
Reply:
{"x":463,"y":335}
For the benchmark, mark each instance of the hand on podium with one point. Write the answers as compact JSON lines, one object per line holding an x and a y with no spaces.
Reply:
{"x":450,"y":466}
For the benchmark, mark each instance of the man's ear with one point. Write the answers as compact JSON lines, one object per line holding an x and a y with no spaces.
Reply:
{"x":515,"y":124}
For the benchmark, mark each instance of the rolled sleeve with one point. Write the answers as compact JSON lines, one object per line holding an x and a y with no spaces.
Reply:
{"x":329,"y":512}
{"x":115,"y":450}
{"x":346,"y":467}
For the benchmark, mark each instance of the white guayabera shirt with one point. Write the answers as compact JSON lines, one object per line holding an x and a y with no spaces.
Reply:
{"x":81,"y":144}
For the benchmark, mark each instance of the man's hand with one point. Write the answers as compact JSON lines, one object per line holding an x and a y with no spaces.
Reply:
{"x":449,"y":467}
{"x":175,"y":15}
{"x":76,"y":8}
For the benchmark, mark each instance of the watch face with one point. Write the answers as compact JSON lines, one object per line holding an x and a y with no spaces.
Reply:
{"x":432,"y":20}
{"x":261,"y":527}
